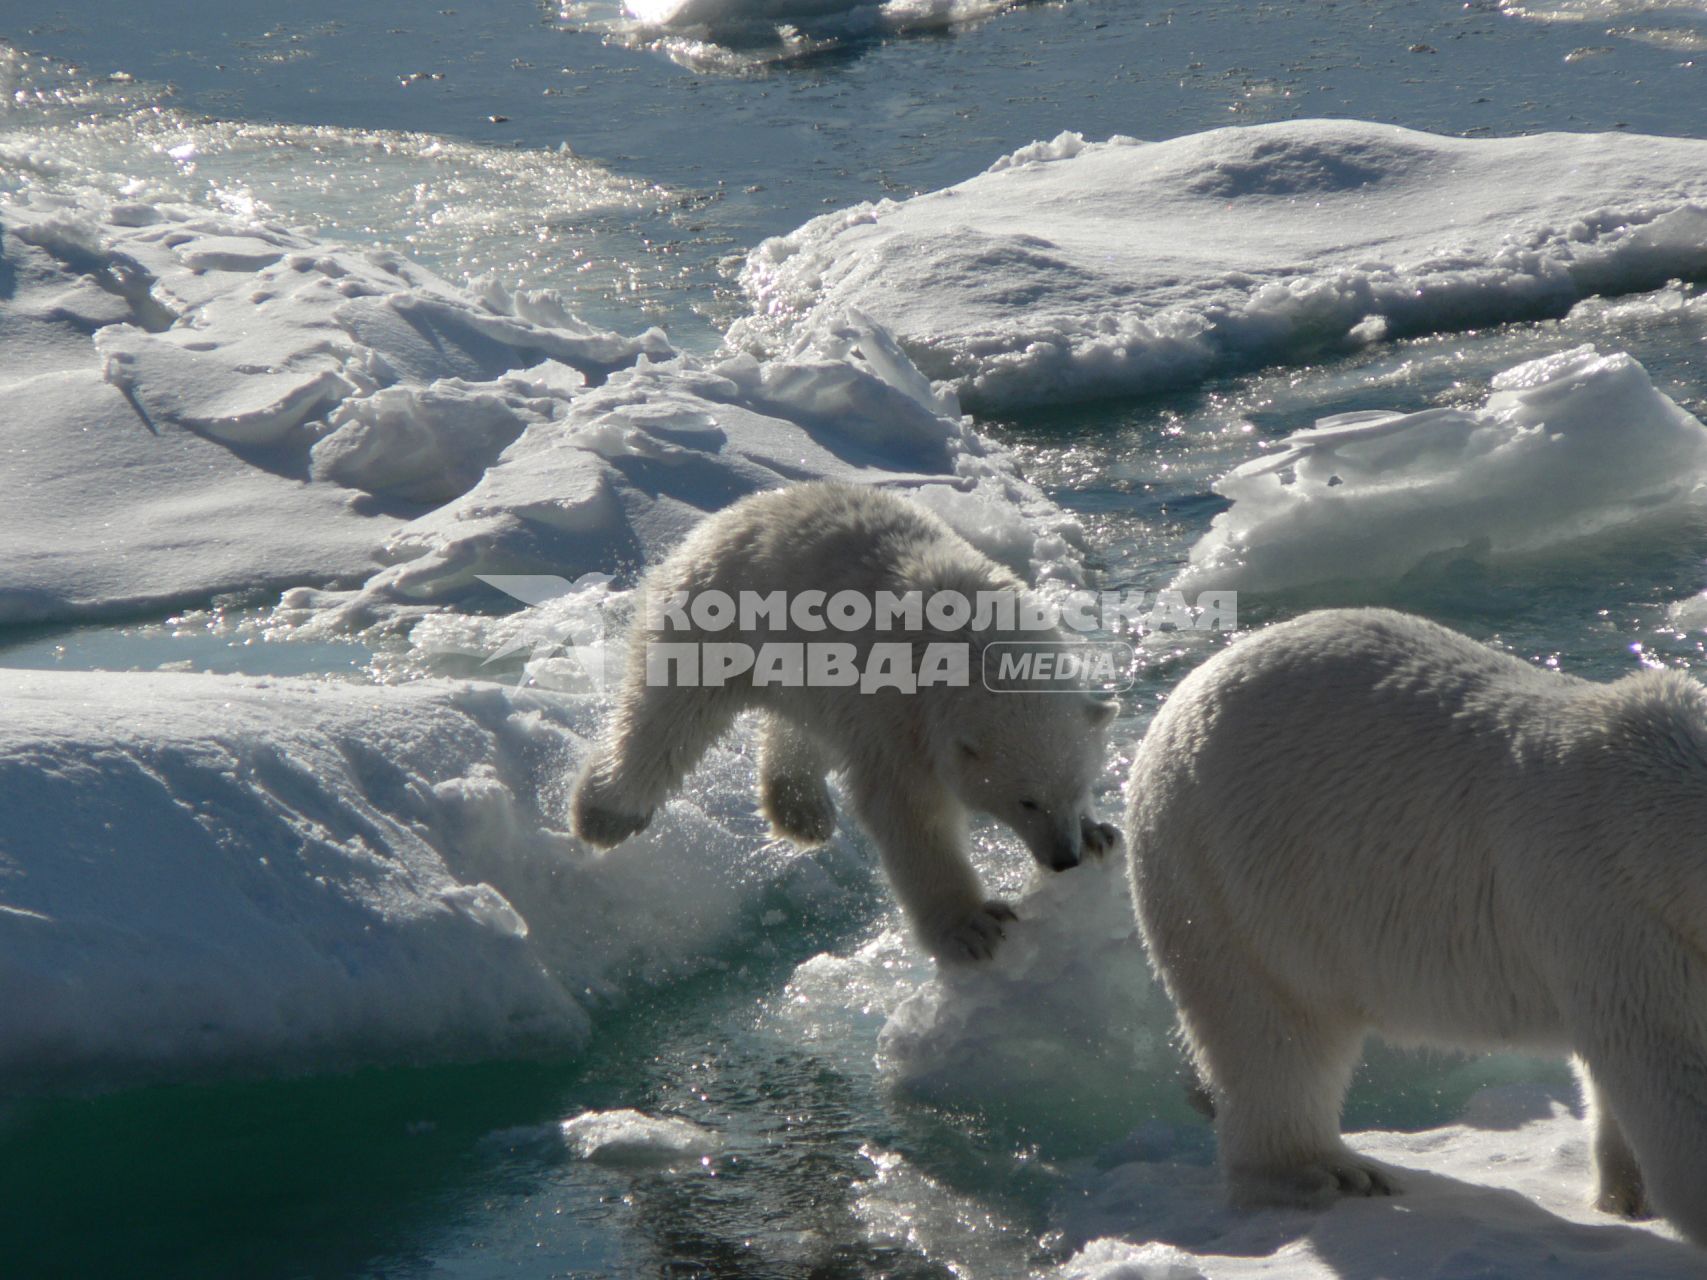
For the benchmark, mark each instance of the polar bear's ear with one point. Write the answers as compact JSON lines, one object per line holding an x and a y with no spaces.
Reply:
{"x":1101,"y":711}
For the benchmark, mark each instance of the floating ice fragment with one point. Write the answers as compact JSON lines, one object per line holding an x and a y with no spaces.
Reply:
{"x":632,"y":1138}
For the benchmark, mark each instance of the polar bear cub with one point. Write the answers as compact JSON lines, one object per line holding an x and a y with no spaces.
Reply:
{"x":915,"y":763}
{"x":1361,"y":821}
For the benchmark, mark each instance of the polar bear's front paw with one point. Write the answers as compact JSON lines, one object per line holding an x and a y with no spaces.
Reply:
{"x":604,"y":827}
{"x":1099,"y":838}
{"x":599,"y":820}
{"x":975,"y":937}
{"x":1311,"y":1185}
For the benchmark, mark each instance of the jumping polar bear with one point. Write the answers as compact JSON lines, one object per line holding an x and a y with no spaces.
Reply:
{"x":1361,"y":821}
{"x":915,"y":763}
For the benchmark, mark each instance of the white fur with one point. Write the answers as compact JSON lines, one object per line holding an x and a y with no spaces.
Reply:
{"x":915,"y":764}
{"x":1361,"y":821}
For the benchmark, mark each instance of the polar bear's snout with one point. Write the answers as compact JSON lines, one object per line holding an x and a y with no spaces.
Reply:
{"x":1076,"y":839}
{"x":1065,"y":853}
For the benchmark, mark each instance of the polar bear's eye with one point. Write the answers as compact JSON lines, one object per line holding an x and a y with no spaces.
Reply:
{"x":1031,"y":805}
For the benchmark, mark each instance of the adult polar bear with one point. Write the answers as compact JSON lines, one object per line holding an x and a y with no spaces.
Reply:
{"x":915,"y":763}
{"x":1359,"y":820}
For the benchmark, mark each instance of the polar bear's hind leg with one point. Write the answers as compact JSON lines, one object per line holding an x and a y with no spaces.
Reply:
{"x":792,"y":790}
{"x":1650,"y":1086}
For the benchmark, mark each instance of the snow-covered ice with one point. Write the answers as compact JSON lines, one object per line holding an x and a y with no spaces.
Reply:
{"x":1067,"y":997}
{"x":1071,"y":270}
{"x":191,"y":401}
{"x":1506,"y":1193}
{"x":199,"y":403}
{"x":204,"y":871}
{"x":612,"y":477}
{"x":880,"y":15}
{"x":1567,"y":446}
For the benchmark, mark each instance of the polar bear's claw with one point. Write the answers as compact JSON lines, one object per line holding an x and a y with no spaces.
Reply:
{"x":607,"y":827}
{"x":1312,"y":1185}
{"x":599,"y":821}
{"x":1361,"y":1178}
{"x":975,"y":938}
{"x":598,"y":813}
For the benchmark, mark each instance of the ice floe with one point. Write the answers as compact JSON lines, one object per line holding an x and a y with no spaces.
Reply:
{"x":741,"y":35}
{"x":634,"y":1139}
{"x":197,"y":403}
{"x":1072,"y":270}
{"x":1066,"y":1010}
{"x":1566,"y":447}
{"x":1671,"y":24}
{"x":203,"y":871}
{"x":184,"y":397}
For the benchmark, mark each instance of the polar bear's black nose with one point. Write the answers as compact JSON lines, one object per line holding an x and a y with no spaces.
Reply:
{"x":1064,"y":856}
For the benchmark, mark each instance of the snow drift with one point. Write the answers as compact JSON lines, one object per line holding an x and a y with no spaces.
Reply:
{"x":1071,"y":270}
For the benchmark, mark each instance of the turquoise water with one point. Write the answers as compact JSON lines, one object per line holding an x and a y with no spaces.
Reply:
{"x":455,"y":1170}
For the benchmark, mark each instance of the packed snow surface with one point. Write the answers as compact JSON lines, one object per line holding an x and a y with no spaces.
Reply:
{"x":1506,"y":1193}
{"x":1566,"y":447}
{"x":1071,"y":270}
